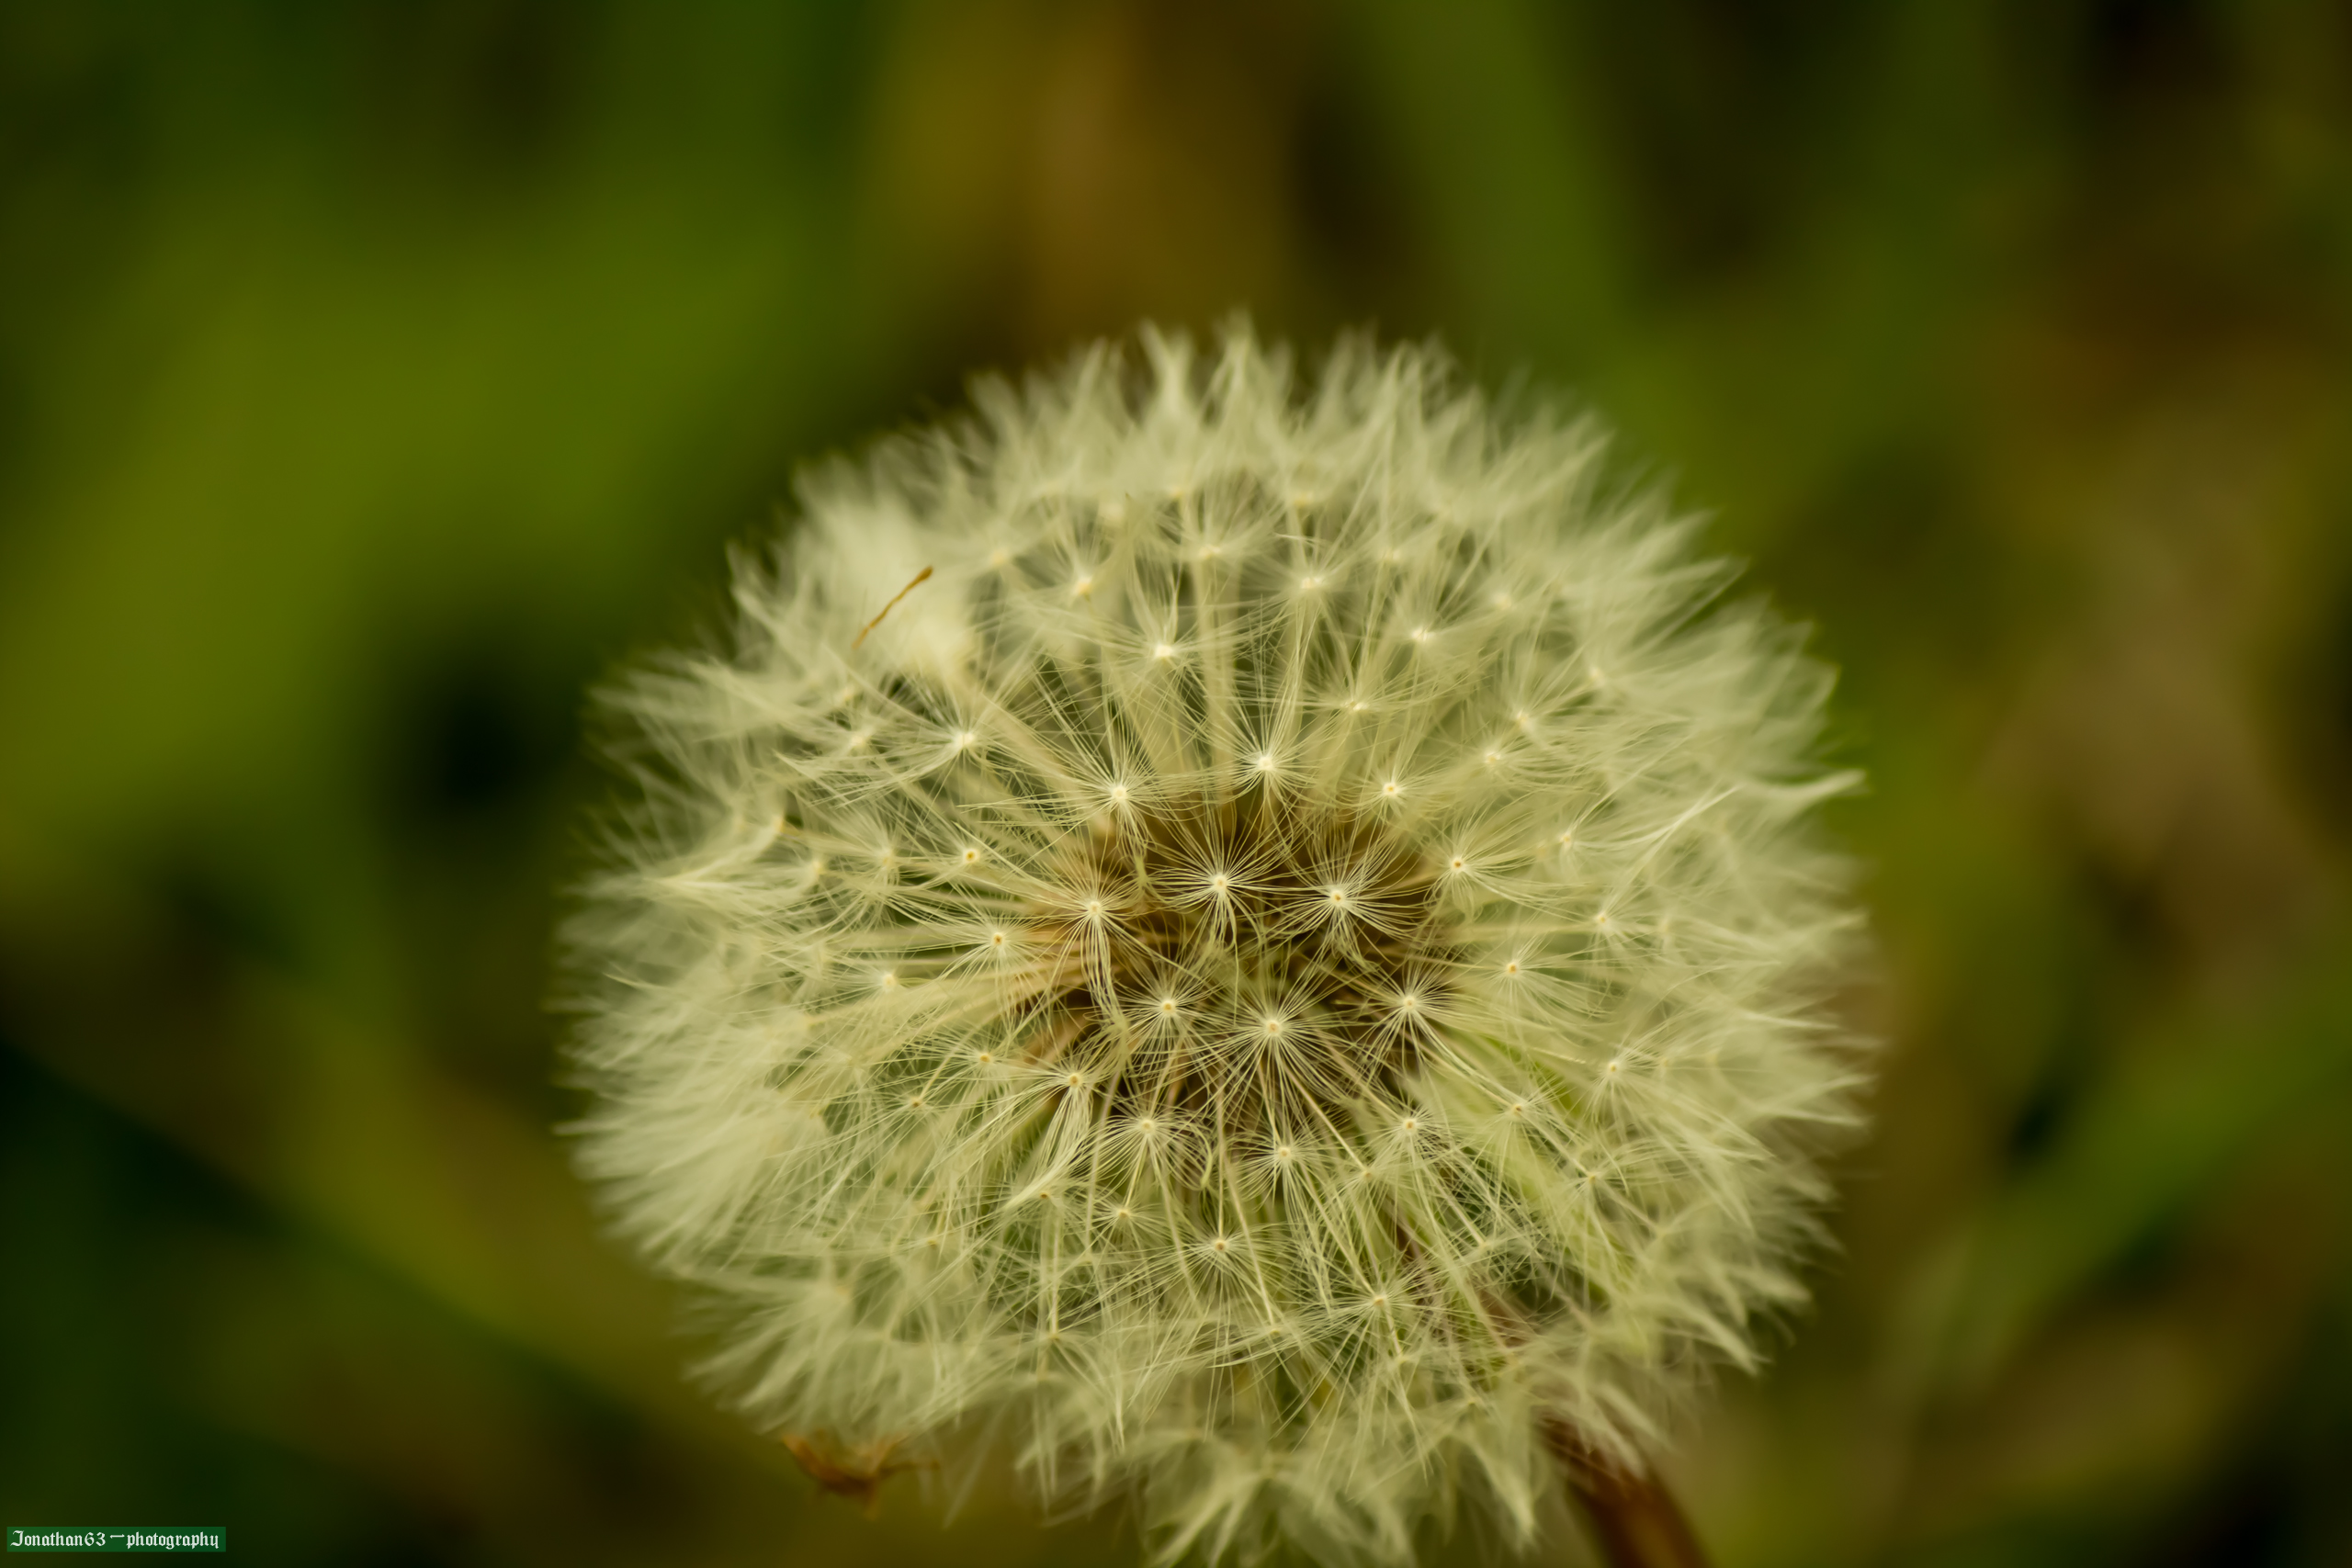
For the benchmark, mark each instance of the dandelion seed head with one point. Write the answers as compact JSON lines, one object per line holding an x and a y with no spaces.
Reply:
{"x":1310,"y":1018}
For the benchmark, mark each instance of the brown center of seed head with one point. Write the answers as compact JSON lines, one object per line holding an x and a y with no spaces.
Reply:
{"x":1267,"y":963}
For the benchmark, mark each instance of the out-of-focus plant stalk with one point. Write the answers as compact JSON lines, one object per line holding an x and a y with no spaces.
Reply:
{"x":1633,"y":1517}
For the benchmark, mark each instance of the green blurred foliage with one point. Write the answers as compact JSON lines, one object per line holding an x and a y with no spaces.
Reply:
{"x":373,"y":376}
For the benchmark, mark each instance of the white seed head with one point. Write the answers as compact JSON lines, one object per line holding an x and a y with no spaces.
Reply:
{"x":1240,"y":1147}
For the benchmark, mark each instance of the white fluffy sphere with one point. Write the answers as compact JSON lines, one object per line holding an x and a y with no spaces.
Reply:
{"x":1292,"y":958}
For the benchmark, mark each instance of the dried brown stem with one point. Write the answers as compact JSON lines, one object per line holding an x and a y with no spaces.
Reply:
{"x":919,"y":579}
{"x":1632,"y":1516}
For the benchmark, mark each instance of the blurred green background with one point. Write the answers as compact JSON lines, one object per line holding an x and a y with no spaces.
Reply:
{"x":374,"y":375}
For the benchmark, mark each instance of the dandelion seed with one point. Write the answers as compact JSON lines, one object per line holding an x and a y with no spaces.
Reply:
{"x":1258,"y":982}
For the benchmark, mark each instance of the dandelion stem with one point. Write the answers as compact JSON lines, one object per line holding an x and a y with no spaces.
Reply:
{"x":1633,"y":1517}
